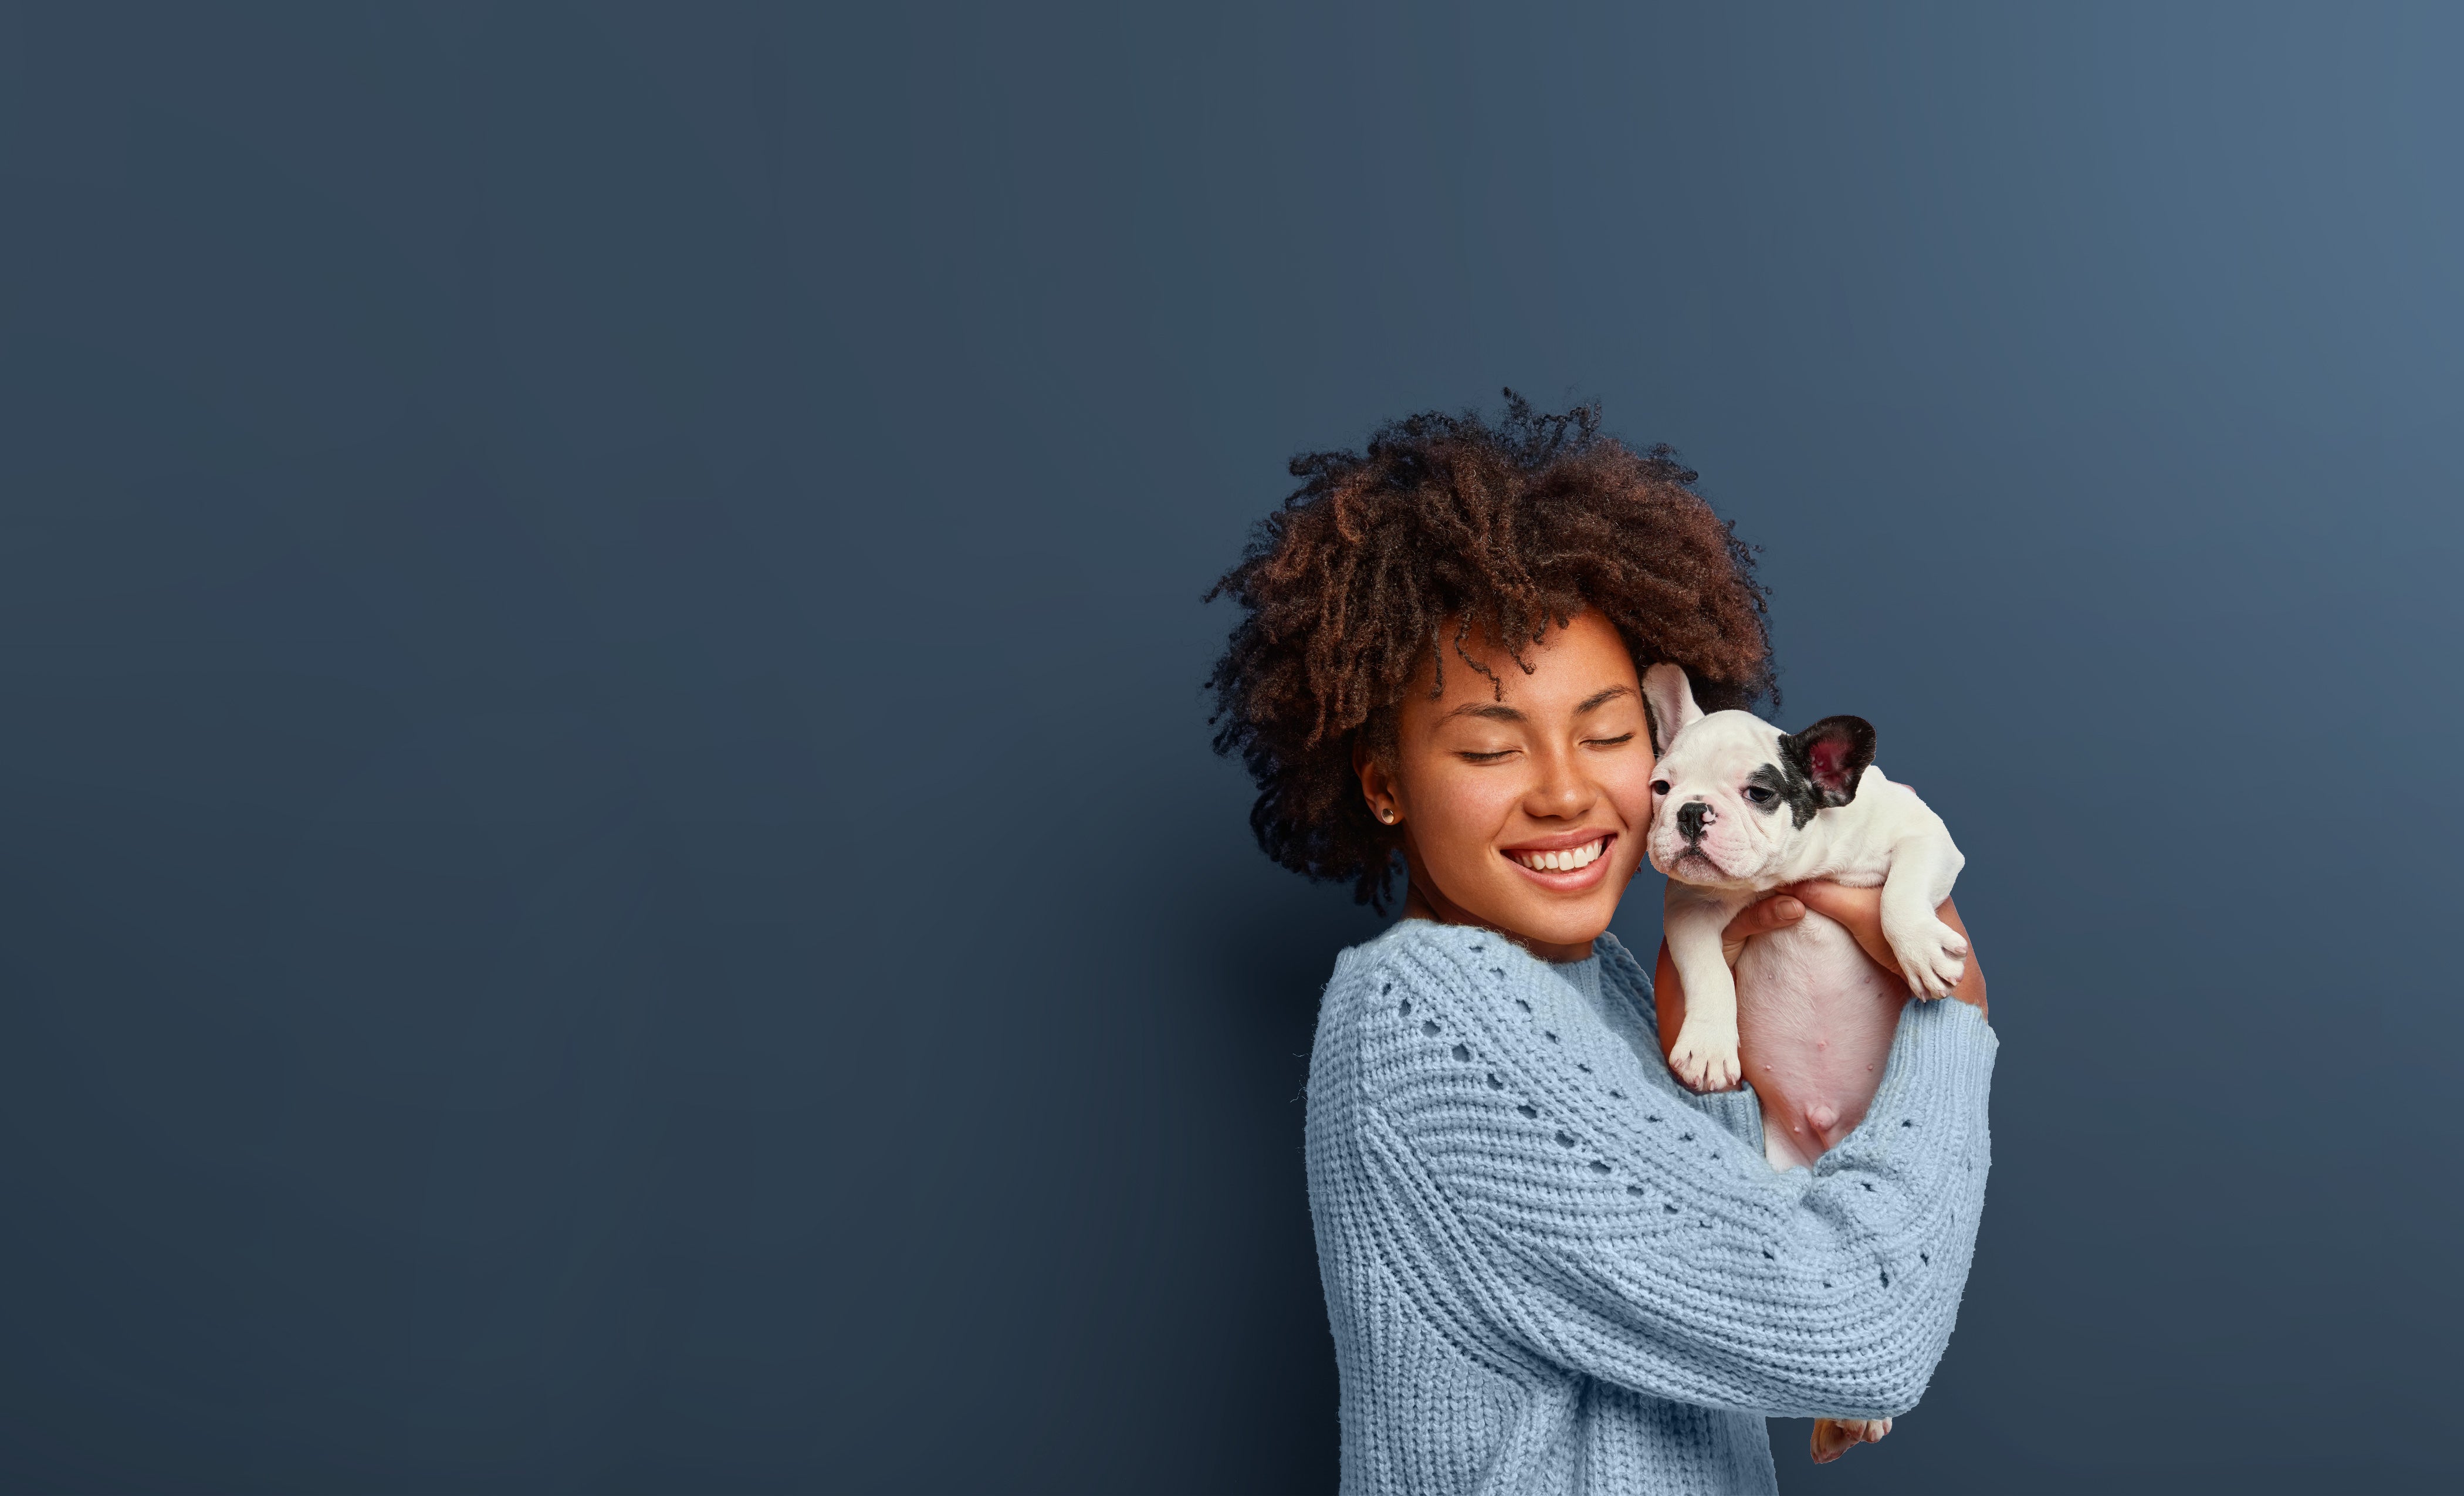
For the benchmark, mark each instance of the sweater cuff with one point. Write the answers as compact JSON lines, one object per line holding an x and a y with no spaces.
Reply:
{"x":1738,"y":1111}
{"x":1941,"y":1066}
{"x":1951,"y":1017}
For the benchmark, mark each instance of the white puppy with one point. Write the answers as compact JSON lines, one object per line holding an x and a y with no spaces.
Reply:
{"x":1740,"y":808}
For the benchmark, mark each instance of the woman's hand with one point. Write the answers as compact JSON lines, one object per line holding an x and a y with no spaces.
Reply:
{"x":1835,"y":1437}
{"x":1859,"y":910}
{"x":1761,"y":917}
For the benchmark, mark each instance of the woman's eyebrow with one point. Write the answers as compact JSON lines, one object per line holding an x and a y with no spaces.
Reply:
{"x":1486,"y":709}
{"x":1603,"y":697}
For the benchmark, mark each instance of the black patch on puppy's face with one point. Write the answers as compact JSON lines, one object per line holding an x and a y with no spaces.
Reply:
{"x":1786,"y":787}
{"x":1771,"y":786}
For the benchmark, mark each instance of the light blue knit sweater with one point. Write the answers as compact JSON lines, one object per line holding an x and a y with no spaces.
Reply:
{"x":1549,"y":1268}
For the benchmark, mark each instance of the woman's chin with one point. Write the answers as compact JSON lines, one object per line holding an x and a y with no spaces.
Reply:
{"x":1537,"y":911}
{"x":1555,"y":922}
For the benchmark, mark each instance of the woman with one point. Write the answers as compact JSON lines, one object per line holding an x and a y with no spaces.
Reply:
{"x":1548,"y":1265}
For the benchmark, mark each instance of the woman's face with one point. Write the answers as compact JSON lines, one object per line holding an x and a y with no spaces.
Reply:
{"x":1527,"y":813}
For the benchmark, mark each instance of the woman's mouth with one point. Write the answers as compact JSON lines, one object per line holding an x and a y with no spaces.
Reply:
{"x":1565,"y":869}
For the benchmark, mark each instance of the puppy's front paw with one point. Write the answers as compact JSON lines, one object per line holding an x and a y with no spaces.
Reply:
{"x":1932,"y":955}
{"x":1706,"y":1060}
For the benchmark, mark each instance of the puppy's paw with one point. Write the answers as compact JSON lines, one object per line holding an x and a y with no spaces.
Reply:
{"x":1932,"y":955}
{"x":1835,"y":1437}
{"x":1706,"y":1060}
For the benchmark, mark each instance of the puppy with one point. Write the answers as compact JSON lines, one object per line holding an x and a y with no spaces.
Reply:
{"x":1740,"y":808}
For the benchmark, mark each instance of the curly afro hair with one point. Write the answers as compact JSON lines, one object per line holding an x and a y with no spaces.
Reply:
{"x":1444,"y":525}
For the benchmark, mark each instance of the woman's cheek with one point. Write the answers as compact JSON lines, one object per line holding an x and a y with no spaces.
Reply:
{"x":1473,"y":811}
{"x":1630,"y":793}
{"x":1472,"y":808}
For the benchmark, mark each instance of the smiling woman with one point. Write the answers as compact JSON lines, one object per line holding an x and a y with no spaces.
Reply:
{"x":1380,"y":568}
{"x":1525,"y":817}
{"x":1547,"y":1263}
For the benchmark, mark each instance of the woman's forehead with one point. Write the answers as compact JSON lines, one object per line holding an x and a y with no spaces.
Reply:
{"x":1570,"y":666}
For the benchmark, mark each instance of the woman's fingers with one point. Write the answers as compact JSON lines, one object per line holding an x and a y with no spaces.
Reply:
{"x":1830,"y":1441}
{"x":1860,"y":910}
{"x":1761,"y":917}
{"x":1835,"y":1437}
{"x":1765,"y":916}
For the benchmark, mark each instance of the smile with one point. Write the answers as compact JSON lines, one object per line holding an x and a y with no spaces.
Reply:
{"x":1572,"y":869}
{"x":1567,"y":859}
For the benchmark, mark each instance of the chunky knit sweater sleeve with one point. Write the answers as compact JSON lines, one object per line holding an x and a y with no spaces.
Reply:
{"x":1574,"y":1206}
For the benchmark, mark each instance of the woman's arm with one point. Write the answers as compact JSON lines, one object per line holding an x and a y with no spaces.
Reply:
{"x":1585,"y":1212}
{"x":1860,"y":910}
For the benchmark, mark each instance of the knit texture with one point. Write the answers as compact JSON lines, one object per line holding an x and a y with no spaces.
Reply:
{"x":1549,"y":1268}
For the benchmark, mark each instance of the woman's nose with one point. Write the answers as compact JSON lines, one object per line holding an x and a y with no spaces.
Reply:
{"x":1561,"y":791}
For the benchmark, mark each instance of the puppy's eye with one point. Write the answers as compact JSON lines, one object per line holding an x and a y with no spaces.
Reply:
{"x":1659,"y":786}
{"x":1758,"y":795}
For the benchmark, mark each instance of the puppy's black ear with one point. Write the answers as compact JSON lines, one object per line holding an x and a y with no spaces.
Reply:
{"x":1832,"y":756}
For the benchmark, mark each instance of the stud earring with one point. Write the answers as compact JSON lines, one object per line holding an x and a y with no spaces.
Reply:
{"x":1387,"y":815}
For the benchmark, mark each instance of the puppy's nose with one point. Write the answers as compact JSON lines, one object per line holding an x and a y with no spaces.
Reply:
{"x":1690,"y":817}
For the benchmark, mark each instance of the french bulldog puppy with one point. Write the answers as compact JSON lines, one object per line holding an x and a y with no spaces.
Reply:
{"x":1740,"y":808}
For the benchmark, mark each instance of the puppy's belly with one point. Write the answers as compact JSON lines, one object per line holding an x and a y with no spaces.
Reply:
{"x":1815,"y":1020}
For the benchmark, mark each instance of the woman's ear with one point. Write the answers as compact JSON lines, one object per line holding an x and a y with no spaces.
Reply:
{"x":1376,"y":780}
{"x":1668,"y":697}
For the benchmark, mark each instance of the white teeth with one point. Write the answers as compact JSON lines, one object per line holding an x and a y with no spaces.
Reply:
{"x":1566,"y":861}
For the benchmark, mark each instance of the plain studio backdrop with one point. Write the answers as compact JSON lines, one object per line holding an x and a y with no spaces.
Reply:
{"x":612,"y":874}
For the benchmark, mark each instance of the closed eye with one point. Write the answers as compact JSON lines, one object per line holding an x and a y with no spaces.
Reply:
{"x":1610,"y":743}
{"x":1484,"y":757}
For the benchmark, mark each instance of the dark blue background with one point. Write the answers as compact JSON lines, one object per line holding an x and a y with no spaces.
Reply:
{"x":611,"y":874}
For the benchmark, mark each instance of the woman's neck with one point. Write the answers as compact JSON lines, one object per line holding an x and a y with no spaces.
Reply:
{"x":1422,"y":900}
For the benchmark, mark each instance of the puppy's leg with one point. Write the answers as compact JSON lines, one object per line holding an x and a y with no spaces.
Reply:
{"x":1705,"y":1054}
{"x":1924,"y":864}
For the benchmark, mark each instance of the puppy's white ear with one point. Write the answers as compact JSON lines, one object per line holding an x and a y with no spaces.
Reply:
{"x":1669,"y":697}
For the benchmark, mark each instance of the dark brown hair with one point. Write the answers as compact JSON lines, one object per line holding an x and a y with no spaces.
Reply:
{"x":1448,"y":524}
